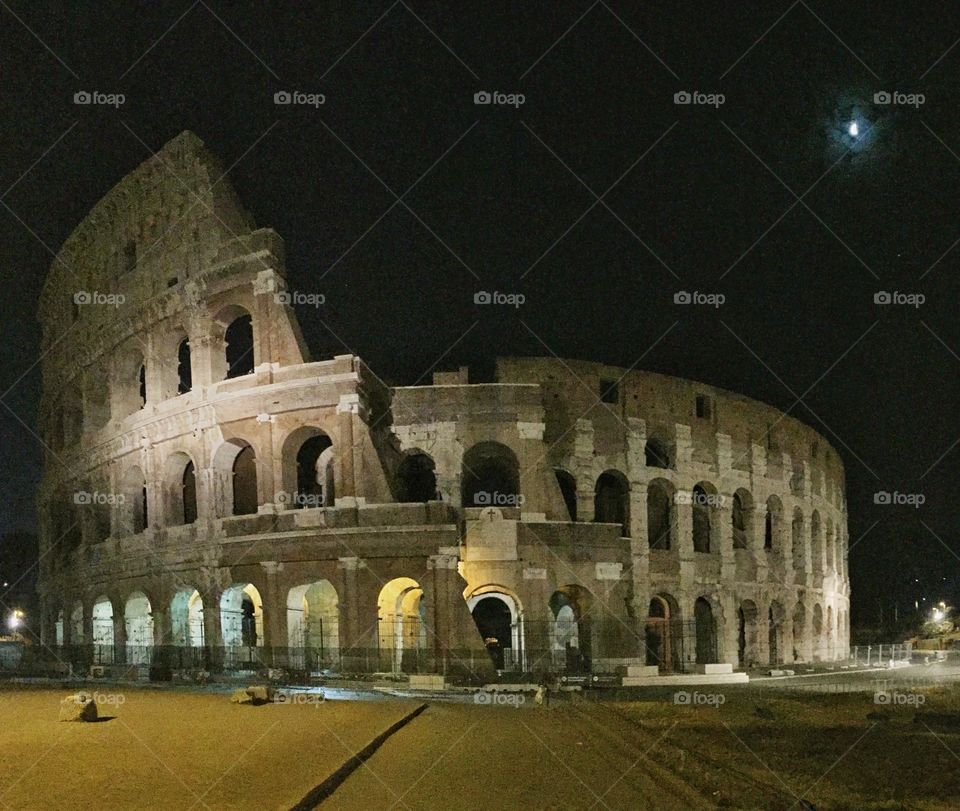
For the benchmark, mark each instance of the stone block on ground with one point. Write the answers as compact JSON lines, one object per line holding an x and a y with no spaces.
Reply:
{"x":254,"y":695}
{"x":78,"y":707}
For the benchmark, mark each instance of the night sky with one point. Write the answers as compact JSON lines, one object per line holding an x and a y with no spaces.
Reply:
{"x":766,"y":199}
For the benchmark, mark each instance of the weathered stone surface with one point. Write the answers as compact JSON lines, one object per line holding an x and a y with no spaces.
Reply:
{"x":255,"y":695}
{"x":78,"y":707}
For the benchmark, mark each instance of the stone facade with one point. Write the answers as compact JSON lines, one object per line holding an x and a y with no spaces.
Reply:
{"x":209,"y":486}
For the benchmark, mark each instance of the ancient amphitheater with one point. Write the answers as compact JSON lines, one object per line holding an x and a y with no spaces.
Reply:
{"x":216,"y":498}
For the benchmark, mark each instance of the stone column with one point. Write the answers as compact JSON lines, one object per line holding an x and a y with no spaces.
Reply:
{"x":275,"y":611}
{"x":345,"y":486}
{"x":212,"y":628}
{"x":531,"y":482}
{"x":349,"y":609}
{"x":583,"y":462}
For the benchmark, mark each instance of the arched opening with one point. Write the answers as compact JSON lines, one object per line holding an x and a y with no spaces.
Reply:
{"x":830,"y":546}
{"x":706,"y":632}
{"x":773,"y":526}
{"x":130,"y":388}
{"x":186,"y":619}
{"x":775,"y":617}
{"x":58,"y":629}
{"x":798,"y":543}
{"x":139,"y":626}
{"x":499,"y":620}
{"x":742,"y":517}
{"x":568,"y":489}
{"x":657,"y":453}
{"x":490,"y":476}
{"x":611,"y":501}
{"x":831,"y":635}
{"x":76,"y":624}
{"x":663,"y":634}
{"x":747,"y":634}
{"x":236,"y":489}
{"x":133,"y":510}
{"x":184,"y":368}
{"x":816,"y":544}
{"x":103,"y":636}
{"x":241,"y":616}
{"x":817,"y":640}
{"x":180,"y":490}
{"x":799,"y":632}
{"x":416,"y":479}
{"x":239,"y":346}
{"x":660,"y":516}
{"x":704,"y":500}
{"x":313,"y":624}
{"x":570,"y":629}
{"x":401,"y":626}
{"x":314,"y":473}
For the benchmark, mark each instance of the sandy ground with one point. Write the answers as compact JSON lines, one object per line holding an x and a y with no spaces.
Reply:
{"x":167,"y":750}
{"x":753,"y":750}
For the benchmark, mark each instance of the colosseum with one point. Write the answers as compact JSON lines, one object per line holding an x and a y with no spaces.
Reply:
{"x":214,"y":497}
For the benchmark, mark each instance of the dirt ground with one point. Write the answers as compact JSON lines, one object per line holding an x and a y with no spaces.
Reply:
{"x":748,"y":750}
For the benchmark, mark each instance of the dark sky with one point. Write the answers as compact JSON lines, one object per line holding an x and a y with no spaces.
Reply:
{"x":712,"y":206}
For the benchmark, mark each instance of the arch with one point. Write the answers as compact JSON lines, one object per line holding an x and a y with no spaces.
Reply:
{"x":186,"y":618}
{"x":103,"y":631}
{"x":313,"y":623}
{"x":775,"y":622}
{"x":816,"y":544}
{"x":241,"y":616}
{"x":798,"y":543}
{"x":179,"y":489}
{"x":656,"y":453}
{"x":238,"y":344}
{"x":76,"y":623}
{"x":59,"y":629}
{"x":831,"y":565}
{"x":138,"y":621}
{"x":611,"y":500}
{"x":817,"y":633}
{"x":490,"y":476}
{"x":570,"y":637}
{"x":568,"y":489}
{"x":416,"y":478}
{"x":401,"y":625}
{"x":663,"y":633}
{"x":498,"y":616}
{"x":773,"y":526}
{"x":704,"y":500}
{"x":799,"y":632}
{"x":747,"y":647}
{"x":742,"y":519}
{"x":661,"y":514}
{"x":134,"y":518}
{"x":235,"y":468}
{"x":830,"y":635}
{"x":314,"y":472}
{"x":184,"y":367}
{"x":130,"y":386}
{"x":706,"y":631}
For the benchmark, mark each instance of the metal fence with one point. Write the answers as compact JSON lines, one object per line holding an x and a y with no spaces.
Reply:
{"x":879,"y":655}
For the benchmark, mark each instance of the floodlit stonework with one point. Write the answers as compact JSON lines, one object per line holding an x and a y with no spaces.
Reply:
{"x":213,"y":496}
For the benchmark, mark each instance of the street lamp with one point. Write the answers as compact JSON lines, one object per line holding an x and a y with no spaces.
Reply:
{"x":16,"y":619}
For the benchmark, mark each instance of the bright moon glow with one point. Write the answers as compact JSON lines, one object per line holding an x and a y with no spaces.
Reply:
{"x":853,"y":129}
